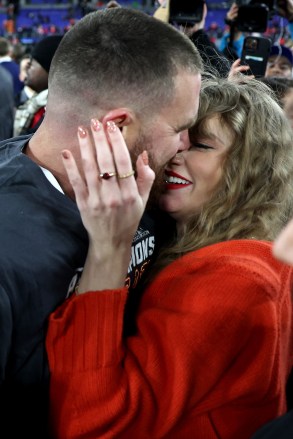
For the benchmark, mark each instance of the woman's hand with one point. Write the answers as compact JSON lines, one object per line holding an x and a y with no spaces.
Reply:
{"x":111,"y":202}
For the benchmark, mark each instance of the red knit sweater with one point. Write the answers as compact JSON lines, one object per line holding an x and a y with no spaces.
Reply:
{"x":210,"y":359}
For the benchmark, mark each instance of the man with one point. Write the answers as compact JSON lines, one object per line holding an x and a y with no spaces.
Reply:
{"x":30,"y":114}
{"x":6,"y":104}
{"x":280,"y":62}
{"x":116,"y":65}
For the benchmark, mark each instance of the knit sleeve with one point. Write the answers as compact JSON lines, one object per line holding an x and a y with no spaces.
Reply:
{"x":210,"y":340}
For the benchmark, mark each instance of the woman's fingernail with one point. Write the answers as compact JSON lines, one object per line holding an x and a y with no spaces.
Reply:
{"x":111,"y":126}
{"x":81,"y":132}
{"x":96,"y":126}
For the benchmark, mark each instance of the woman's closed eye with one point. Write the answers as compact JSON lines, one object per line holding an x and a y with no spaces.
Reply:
{"x":199,"y":145}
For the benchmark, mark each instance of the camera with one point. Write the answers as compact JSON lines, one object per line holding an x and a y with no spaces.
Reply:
{"x":186,"y":12}
{"x":253,"y":15}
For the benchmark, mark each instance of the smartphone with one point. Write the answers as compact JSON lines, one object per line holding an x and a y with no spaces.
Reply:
{"x":186,"y":11}
{"x":255,"y":53}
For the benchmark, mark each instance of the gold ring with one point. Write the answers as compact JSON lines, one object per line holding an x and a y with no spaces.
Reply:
{"x":107,"y":175}
{"x":129,"y":174}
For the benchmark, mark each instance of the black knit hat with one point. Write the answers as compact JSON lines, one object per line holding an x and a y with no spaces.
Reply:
{"x":44,"y":50}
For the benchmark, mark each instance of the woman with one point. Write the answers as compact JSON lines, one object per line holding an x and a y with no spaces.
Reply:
{"x":211,"y":355}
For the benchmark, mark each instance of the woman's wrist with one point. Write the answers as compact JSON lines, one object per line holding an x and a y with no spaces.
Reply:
{"x":104,"y":271}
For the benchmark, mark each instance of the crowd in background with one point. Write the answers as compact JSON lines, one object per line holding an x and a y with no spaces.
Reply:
{"x":29,"y":24}
{"x":16,"y":51}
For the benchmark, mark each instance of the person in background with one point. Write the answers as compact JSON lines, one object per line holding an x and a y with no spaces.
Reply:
{"x":11,"y":66}
{"x":280,"y":62}
{"x":18,"y":50}
{"x":30,"y":114}
{"x":212,"y":351}
{"x":27,"y":92}
{"x":284,"y":9}
{"x":231,"y":43}
{"x":126,"y":68}
{"x":214,"y":60}
{"x":7,"y":108}
{"x":283,"y":89}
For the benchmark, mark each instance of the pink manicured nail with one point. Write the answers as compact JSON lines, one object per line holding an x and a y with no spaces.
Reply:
{"x":111,"y":126}
{"x":96,"y":125}
{"x":82,"y":132}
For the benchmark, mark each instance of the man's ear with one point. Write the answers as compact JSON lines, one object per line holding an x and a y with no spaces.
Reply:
{"x":120,"y":116}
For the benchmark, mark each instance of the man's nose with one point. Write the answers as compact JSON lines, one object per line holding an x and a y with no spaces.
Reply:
{"x":177,"y":159}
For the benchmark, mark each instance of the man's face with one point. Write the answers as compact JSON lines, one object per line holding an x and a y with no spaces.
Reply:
{"x":37,"y":77}
{"x":167,"y":132}
{"x":278,"y":66}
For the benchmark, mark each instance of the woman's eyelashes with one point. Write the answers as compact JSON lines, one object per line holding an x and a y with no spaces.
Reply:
{"x":199,"y":145}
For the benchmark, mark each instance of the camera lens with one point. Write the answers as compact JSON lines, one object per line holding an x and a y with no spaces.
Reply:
{"x":251,"y":43}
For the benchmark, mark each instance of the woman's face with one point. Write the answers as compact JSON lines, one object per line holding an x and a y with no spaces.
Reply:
{"x":193,"y":175}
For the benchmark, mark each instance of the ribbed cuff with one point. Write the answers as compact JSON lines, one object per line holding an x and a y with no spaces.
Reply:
{"x":86,"y":331}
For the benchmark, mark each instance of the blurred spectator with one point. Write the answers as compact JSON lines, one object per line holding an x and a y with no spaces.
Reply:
{"x":10,"y":21}
{"x":6,"y":104}
{"x":30,"y":114}
{"x":232,"y":41}
{"x":17,"y":51}
{"x":214,"y":61}
{"x":280,"y":62}
{"x":11,"y":66}
{"x":285,"y":9}
{"x":27,"y":92}
{"x":283,"y":89}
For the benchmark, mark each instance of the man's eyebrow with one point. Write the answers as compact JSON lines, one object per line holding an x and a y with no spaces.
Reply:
{"x":187,"y":125}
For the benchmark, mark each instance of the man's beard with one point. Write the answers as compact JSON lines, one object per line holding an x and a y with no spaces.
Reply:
{"x":143,"y":143}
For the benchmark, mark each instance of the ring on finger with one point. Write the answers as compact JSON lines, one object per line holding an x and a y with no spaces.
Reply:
{"x":107,"y":175}
{"x":128,"y":174}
